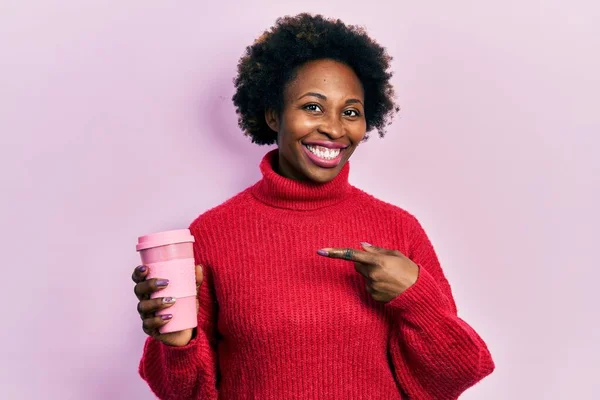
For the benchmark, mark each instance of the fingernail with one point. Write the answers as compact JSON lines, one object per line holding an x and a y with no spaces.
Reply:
{"x":322,"y":252}
{"x":141,"y":268}
{"x":366,"y":244}
{"x":162,"y":282}
{"x":165,"y":317}
{"x":168,"y":300}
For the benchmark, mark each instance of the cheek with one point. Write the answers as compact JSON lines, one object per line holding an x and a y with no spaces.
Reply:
{"x":307,"y":125}
{"x":358,"y":132}
{"x":298,"y":125}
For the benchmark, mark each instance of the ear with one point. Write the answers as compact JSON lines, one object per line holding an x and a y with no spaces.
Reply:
{"x":272,"y":118}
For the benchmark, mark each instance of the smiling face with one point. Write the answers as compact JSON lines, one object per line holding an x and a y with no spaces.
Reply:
{"x":322,"y":121}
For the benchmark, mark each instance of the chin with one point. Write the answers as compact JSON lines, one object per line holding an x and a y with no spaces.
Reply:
{"x":322,"y":175}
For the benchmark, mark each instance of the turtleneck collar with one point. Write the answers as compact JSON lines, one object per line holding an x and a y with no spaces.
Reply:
{"x":281,"y":192}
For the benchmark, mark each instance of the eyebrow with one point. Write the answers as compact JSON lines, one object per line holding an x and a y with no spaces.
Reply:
{"x":323,"y":97}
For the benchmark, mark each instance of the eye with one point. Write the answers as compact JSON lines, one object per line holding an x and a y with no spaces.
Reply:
{"x":313,"y":107}
{"x":351,"y":113}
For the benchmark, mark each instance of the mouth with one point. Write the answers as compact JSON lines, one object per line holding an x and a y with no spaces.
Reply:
{"x":324,"y":157}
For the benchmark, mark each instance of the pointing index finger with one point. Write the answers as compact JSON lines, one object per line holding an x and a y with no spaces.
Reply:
{"x":348,"y":255}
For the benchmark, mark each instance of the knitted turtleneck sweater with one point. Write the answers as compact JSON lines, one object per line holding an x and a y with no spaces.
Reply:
{"x":277,"y":321}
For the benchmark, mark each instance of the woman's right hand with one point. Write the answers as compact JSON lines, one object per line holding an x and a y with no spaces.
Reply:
{"x":147,"y":307}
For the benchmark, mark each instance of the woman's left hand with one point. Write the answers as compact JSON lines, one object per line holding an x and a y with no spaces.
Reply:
{"x":388,"y":273}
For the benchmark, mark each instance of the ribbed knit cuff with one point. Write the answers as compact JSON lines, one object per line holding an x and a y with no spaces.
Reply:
{"x":182,"y":358}
{"x":423,"y":303}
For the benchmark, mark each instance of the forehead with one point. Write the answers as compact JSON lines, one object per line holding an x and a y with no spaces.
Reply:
{"x":327,"y":76}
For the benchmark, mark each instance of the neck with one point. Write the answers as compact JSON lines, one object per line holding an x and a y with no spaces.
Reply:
{"x":280,"y":191}
{"x":283,"y":168}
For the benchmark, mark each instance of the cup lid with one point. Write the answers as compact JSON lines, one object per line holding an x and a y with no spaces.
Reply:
{"x":164,"y":238}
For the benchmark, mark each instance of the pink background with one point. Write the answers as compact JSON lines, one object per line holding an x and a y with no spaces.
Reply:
{"x":495,"y":150}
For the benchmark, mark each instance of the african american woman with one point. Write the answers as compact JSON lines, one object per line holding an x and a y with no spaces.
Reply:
{"x":293,"y":300}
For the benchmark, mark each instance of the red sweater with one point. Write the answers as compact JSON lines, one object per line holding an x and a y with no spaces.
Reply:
{"x":277,"y":321}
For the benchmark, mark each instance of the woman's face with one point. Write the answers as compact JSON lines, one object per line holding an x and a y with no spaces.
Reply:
{"x":322,"y":121}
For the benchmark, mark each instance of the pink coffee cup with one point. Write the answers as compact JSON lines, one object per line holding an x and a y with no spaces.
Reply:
{"x":166,"y":246}
{"x":180,"y":273}
{"x":170,"y":255}
{"x":184,"y":315}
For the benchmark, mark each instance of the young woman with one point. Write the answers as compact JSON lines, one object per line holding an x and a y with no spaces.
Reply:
{"x":293,"y":300}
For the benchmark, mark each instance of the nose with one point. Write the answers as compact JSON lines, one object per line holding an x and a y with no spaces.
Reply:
{"x":332,"y":127}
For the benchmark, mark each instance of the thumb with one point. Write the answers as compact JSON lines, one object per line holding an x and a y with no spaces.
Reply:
{"x":369,"y":248}
{"x":199,"y":274}
{"x":380,"y":250}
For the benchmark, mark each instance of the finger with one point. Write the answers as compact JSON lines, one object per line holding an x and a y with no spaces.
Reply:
{"x":147,"y":308}
{"x":380,"y":250}
{"x":368,"y":271}
{"x":349,"y":255}
{"x":375,"y":294}
{"x":361,"y":269}
{"x":149,"y":286}
{"x":139,"y":273}
{"x":151,"y":325}
{"x":199,"y":275}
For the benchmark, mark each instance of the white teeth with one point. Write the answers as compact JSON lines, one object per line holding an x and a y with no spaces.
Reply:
{"x":323,"y":152}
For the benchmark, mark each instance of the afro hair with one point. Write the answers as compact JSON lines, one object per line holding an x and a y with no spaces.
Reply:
{"x":270,"y":63}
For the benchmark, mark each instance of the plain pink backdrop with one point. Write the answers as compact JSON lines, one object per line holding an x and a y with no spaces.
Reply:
{"x":116,"y":121}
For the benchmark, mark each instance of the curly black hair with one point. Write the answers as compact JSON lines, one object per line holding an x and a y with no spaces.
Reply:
{"x":272,"y":60}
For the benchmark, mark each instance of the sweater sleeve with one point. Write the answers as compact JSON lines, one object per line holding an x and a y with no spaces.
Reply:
{"x":435,"y":354}
{"x":187,"y":372}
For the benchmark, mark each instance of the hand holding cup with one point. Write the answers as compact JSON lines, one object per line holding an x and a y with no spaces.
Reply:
{"x":149,"y":308}
{"x":166,"y":286}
